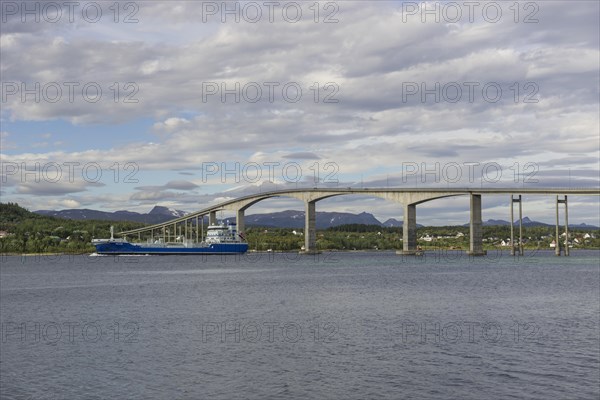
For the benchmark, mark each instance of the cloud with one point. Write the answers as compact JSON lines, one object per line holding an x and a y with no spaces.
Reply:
{"x":179,"y":185}
{"x":70,"y":203}
{"x":156,"y":195}
{"x":171,"y":124}
{"x":366,"y":61}
{"x":49,"y":188}
{"x":302,"y":155}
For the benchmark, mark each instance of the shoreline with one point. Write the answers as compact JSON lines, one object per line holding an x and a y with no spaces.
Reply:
{"x":507,"y":250}
{"x":43,"y":254}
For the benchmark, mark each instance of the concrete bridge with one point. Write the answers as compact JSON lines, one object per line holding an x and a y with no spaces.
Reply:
{"x":408,"y":198}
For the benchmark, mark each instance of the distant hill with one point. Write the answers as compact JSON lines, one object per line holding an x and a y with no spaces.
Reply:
{"x":527,"y":222}
{"x":583,"y":226}
{"x":157,"y":215}
{"x":295,"y":219}
{"x":11,"y":213}
{"x":501,"y":222}
{"x":392,"y":223}
{"x":493,"y":222}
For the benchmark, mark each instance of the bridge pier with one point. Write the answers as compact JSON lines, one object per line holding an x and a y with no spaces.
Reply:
{"x":475,"y":228}
{"x":409,"y":231}
{"x":239,"y":220}
{"x":310,"y":228}
{"x":512,"y":226}
{"x":212,"y":218}
{"x":566,"y":248}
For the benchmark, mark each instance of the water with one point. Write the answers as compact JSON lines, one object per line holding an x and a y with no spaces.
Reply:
{"x":269,"y":326}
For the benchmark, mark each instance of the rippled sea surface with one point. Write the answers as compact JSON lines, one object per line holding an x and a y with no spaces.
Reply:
{"x":270,"y":326}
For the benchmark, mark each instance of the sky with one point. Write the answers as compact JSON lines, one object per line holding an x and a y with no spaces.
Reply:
{"x":128,"y":105}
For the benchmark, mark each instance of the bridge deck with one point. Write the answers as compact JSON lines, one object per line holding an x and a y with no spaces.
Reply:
{"x":320,"y":193}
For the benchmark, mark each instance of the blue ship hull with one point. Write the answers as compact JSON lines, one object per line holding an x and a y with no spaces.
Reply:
{"x":124,"y":248}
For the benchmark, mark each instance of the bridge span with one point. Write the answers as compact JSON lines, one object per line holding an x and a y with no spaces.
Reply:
{"x":409,"y":198}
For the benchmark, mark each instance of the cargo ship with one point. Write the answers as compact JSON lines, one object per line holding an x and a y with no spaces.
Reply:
{"x":220,"y":239}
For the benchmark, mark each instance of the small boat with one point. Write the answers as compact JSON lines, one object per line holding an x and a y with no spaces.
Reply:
{"x":220,"y":239}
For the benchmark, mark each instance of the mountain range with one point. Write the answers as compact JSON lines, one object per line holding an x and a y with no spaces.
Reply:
{"x":280,"y":219}
{"x":295,"y":219}
{"x":529,"y":223}
{"x":157,"y":215}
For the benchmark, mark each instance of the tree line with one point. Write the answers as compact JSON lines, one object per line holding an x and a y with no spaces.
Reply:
{"x":27,"y":232}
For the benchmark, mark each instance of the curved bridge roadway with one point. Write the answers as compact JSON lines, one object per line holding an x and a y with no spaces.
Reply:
{"x":409,"y":198}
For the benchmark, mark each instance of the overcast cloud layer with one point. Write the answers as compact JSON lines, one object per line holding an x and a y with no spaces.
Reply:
{"x":389,"y":91}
